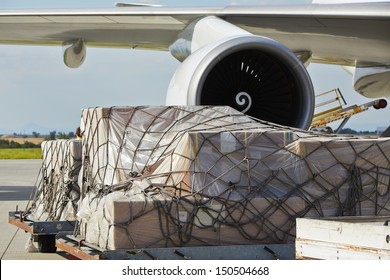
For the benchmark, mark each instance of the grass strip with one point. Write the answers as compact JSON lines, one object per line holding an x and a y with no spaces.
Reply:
{"x":24,"y":153}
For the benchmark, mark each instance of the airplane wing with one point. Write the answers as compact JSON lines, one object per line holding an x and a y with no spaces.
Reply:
{"x":345,"y":34}
{"x":340,"y":34}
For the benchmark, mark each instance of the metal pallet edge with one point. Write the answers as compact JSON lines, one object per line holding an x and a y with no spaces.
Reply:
{"x":38,"y":227}
{"x":312,"y":249}
{"x":80,"y":249}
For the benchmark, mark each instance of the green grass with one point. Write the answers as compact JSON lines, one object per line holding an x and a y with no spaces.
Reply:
{"x":30,"y":153}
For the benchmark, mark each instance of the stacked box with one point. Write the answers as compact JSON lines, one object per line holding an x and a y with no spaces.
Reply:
{"x":57,"y":192}
{"x":141,"y":221}
{"x":190,"y":176}
{"x":121,"y":141}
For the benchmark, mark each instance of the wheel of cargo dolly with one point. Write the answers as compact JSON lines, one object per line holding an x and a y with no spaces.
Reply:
{"x":47,"y":243}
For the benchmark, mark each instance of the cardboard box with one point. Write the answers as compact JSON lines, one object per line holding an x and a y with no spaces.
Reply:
{"x":144,"y":222}
{"x":119,"y":141}
{"x":141,"y":223}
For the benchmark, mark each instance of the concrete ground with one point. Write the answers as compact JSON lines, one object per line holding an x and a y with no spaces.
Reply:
{"x":17,"y":180}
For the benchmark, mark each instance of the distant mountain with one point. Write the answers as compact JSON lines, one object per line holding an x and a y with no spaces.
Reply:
{"x":31,"y":127}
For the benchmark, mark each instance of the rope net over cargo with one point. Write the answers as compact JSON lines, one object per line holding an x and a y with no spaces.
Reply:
{"x":194,"y":176}
{"x":56,"y":194}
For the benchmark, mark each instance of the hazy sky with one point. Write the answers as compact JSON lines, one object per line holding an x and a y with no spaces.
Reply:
{"x":36,"y":87}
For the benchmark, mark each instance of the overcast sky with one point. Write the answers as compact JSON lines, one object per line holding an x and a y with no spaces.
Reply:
{"x":37,"y":88}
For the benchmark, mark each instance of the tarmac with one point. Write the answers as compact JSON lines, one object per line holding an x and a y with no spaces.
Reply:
{"x":17,"y":180}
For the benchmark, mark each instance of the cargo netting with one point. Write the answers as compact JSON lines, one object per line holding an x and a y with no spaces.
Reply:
{"x":193,"y":176}
{"x":204,"y":175}
{"x":57,"y":193}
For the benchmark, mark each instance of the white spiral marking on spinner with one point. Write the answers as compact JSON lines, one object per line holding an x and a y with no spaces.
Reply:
{"x":244,"y":99}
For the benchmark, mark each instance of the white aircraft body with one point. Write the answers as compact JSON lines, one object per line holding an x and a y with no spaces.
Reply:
{"x":251,"y":58}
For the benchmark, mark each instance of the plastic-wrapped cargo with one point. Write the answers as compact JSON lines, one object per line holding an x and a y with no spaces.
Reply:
{"x":57,"y":192}
{"x":124,"y":140}
{"x":190,"y":176}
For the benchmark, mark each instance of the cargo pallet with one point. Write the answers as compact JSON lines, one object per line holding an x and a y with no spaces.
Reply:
{"x":53,"y":235}
{"x":43,"y":232}
{"x":79,"y":249}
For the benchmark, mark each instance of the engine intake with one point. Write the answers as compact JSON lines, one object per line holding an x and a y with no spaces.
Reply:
{"x":253,"y":74}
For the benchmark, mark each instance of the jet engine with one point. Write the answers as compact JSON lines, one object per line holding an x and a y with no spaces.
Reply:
{"x":255,"y":75}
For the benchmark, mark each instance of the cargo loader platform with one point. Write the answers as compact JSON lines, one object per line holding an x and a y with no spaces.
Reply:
{"x":365,"y":238}
{"x":331,"y":107}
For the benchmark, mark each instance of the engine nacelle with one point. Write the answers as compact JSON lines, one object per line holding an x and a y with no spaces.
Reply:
{"x":372,"y":82}
{"x":253,"y":74}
